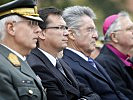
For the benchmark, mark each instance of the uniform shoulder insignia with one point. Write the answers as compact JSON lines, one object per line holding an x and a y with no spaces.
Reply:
{"x":13,"y":59}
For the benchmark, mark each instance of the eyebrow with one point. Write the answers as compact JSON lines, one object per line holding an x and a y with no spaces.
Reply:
{"x":129,"y":27}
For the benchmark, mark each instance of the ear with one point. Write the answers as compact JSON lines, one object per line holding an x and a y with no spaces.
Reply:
{"x":42,"y":35}
{"x":71,"y":34}
{"x":10,"y":28}
{"x":114,"y":37}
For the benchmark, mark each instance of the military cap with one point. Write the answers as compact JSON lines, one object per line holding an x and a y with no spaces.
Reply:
{"x":24,"y":8}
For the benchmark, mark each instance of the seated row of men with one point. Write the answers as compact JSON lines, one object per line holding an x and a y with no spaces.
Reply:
{"x":30,"y":43}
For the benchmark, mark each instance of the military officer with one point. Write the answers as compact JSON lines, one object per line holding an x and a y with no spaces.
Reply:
{"x":18,"y":35}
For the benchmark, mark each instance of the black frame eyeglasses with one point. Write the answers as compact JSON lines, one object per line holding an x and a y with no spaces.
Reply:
{"x":32,"y":23}
{"x":58,"y":27}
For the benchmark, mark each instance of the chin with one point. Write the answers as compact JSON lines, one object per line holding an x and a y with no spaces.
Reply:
{"x":62,"y":48}
{"x":33,"y":46}
{"x":91,"y":50}
{"x":65,"y":45}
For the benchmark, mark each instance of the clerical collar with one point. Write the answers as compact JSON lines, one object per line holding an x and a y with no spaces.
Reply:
{"x":122,"y":56}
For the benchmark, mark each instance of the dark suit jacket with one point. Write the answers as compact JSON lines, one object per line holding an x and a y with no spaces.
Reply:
{"x":99,"y":81}
{"x":130,"y":69}
{"x":18,"y":82}
{"x":58,"y":88}
{"x":117,"y":71}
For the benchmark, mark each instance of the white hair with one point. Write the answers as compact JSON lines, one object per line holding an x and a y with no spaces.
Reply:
{"x":72,"y":16}
{"x":4,"y":21}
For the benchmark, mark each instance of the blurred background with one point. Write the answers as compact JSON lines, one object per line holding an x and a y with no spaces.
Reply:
{"x":102,"y":8}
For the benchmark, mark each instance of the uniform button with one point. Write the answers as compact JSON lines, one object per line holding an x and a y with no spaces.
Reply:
{"x":23,"y":81}
{"x":30,"y":92}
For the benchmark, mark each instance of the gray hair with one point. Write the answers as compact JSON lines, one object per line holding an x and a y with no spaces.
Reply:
{"x":115,"y":26}
{"x":72,"y":15}
{"x":3,"y":24}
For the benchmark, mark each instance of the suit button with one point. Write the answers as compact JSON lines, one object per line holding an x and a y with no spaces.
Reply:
{"x":30,"y":92}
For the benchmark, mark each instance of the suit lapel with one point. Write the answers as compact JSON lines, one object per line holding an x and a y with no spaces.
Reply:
{"x":101,"y":69}
{"x":68,"y":72}
{"x":89,"y":67}
{"x":55,"y":72}
{"x":73,"y":87}
{"x":45,"y":60}
{"x":83,"y":63}
{"x":25,"y":68}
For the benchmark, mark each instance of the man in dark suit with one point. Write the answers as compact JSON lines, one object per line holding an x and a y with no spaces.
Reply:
{"x":118,"y":31}
{"x":81,"y":42}
{"x":56,"y":76}
{"x":18,"y":34}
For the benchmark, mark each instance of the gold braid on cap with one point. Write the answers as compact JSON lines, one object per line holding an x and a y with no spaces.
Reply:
{"x":22,"y":11}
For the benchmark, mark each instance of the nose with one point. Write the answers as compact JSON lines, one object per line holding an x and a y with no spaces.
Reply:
{"x":37,"y":30}
{"x":95,"y":35}
{"x":66,"y":33}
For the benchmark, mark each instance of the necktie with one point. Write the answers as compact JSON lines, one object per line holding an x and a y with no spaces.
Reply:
{"x":59,"y":67}
{"x":91,"y":62}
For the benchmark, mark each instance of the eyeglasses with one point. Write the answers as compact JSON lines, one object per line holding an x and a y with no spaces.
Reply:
{"x":31,"y":23}
{"x":58,"y":27}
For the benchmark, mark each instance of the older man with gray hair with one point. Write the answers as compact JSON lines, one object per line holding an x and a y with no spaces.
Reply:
{"x":118,"y":31}
{"x":81,"y":43}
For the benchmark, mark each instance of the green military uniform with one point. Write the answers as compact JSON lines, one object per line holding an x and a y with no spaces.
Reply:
{"x":17,"y":80}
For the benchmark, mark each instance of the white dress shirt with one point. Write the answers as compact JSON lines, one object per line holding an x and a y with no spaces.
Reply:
{"x":49,"y":56}
{"x":80,"y":54}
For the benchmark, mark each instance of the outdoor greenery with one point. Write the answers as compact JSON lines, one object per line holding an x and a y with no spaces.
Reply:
{"x":102,"y":8}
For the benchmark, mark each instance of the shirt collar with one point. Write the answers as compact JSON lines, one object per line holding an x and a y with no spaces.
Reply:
{"x":78,"y":53}
{"x":49,"y":56}
{"x":19,"y":55}
{"x":122,"y":56}
{"x":117,"y":52}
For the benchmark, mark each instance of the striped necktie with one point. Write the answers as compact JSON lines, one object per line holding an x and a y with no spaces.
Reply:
{"x":59,"y":67}
{"x":91,"y":62}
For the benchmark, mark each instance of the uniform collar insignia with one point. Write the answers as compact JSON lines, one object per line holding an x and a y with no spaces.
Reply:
{"x":13,"y":59}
